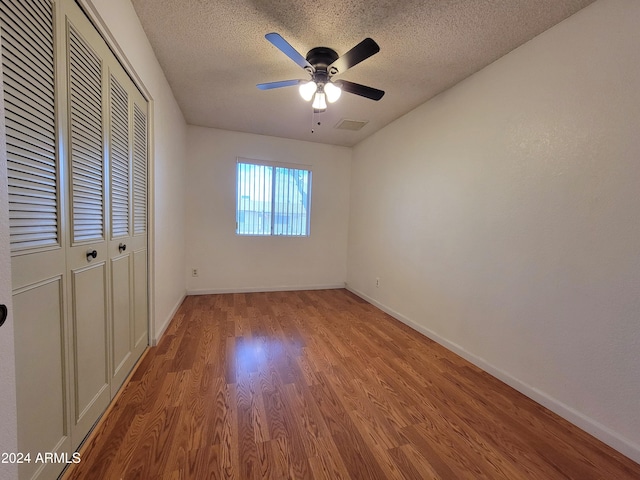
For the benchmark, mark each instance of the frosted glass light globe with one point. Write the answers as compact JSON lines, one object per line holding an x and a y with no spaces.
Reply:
{"x":333,"y":92}
{"x":319,"y":102}
{"x":307,"y":90}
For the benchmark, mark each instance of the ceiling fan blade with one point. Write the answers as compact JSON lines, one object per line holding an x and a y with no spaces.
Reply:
{"x":283,"y":83}
{"x":357,"y":54}
{"x":282,"y":45}
{"x":362,"y":90}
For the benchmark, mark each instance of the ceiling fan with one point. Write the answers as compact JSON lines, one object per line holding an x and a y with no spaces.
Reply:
{"x":323,"y":64}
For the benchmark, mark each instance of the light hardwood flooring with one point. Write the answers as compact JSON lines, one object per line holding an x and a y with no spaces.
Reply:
{"x":320,"y":384}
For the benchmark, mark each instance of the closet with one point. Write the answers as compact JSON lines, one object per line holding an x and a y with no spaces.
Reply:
{"x":77,"y":134}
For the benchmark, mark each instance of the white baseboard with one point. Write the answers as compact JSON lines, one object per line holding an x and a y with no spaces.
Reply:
{"x":281,"y":288}
{"x":160,"y":332}
{"x":601,"y":432}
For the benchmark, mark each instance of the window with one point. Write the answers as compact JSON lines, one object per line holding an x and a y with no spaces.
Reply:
{"x":272,"y":199}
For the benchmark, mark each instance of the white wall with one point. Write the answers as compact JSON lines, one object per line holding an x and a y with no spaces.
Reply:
{"x":227,"y":262}
{"x":502,"y":218}
{"x":169,"y":159}
{"x":8,"y":430}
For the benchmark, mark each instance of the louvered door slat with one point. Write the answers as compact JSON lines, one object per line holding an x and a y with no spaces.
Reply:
{"x":85,"y":172}
{"x":30,"y":24}
{"x":30,"y":73}
{"x":88,"y":163}
{"x":87,"y":113}
{"x":35,"y":176}
{"x":119,"y":159}
{"x":21,"y":202}
{"x":35,"y":239}
{"x":39,"y":62}
{"x":26,"y":36}
{"x":85,"y":86}
{"x":87,"y":196}
{"x":27,"y":230}
{"x":43,"y":214}
{"x":26,"y":107}
{"x":139,"y":171}
{"x":40,"y":102}
{"x":81,"y":68}
{"x":38,"y":154}
{"x":29,"y":84}
{"x":33,"y":202}
{"x":85,"y":143}
{"x":76,"y":42}
{"x":34,"y":16}
{"x":86,"y":93}
{"x":28,"y":77}
{"x":29,"y":113}
{"x":85,"y":183}
{"x":87,"y":100}
{"x":22,"y":44}
{"x":30,"y":119}
{"x":23,"y":105}
{"x":35,"y":8}
{"x":26,"y":165}
{"x":33,"y":136}
{"x":24,"y":224}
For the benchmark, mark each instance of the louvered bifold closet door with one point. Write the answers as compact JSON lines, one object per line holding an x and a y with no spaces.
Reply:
{"x":77,"y":133}
{"x":139,"y":240}
{"x":128,"y":242}
{"x":31,"y":105}
{"x":120,"y":248}
{"x":87,"y":255}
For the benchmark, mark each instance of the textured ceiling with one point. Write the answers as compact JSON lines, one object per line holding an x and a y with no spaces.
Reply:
{"x":214,"y":53}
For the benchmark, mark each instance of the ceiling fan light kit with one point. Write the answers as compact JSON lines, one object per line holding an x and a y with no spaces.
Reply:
{"x":323,"y":64}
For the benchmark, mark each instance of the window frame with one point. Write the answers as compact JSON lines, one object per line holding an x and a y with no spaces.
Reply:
{"x":273,"y":214}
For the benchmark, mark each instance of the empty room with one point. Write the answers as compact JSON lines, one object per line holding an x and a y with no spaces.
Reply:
{"x":320,"y":240}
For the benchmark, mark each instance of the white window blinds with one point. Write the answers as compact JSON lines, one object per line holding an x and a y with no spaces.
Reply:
{"x":272,"y":200}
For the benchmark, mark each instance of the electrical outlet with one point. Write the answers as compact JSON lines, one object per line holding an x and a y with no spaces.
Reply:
{"x":194,"y":272}
{"x":377,"y":282}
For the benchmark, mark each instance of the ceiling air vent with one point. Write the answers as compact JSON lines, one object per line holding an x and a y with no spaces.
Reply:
{"x":353,"y":125}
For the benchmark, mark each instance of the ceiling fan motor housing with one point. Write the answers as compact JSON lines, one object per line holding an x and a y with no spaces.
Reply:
{"x":321,"y":58}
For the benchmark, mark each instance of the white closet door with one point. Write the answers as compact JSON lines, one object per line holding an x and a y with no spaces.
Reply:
{"x":120,"y":253}
{"x":77,"y":182}
{"x":128,"y":239}
{"x":87,"y":254}
{"x":139,"y":240}
{"x":37,"y":245}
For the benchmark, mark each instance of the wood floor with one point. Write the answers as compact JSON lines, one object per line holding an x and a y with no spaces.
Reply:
{"x":320,"y":384}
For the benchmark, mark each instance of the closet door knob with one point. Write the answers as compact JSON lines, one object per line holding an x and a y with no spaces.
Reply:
{"x":91,"y":254}
{"x":3,"y":314}
{"x":122,"y":247}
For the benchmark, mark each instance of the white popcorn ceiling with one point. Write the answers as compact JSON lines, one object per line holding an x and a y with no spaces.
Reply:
{"x":213,"y":53}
